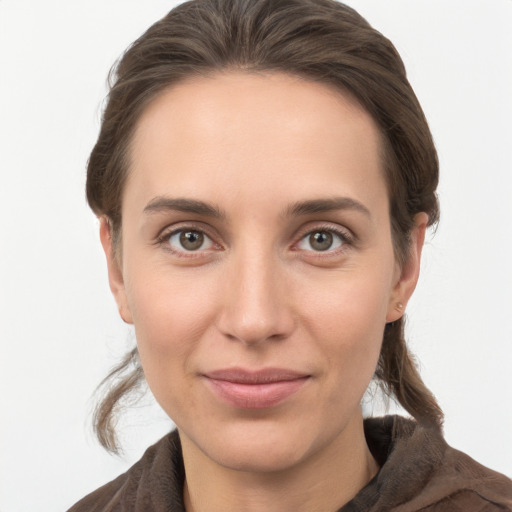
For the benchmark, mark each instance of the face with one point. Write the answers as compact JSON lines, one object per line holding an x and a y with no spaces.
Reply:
{"x":257,"y":264}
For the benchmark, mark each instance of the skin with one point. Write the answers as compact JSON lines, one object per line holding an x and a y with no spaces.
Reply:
{"x":257,"y":293}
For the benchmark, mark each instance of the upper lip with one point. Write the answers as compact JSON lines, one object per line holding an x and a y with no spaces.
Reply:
{"x":263,"y":376}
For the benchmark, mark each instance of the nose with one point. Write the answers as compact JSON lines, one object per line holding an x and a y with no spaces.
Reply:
{"x":256,"y":306}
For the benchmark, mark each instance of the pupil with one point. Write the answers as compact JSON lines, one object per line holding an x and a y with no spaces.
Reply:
{"x":321,"y":241}
{"x":191,"y":240}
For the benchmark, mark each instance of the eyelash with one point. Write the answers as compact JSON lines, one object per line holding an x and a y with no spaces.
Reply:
{"x":165,"y":236}
{"x":346,"y":238}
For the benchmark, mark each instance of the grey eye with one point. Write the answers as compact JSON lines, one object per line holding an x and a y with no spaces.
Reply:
{"x":190,"y":240}
{"x":320,"y":241}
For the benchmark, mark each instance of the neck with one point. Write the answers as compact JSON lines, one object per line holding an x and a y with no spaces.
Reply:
{"x":321,"y":483}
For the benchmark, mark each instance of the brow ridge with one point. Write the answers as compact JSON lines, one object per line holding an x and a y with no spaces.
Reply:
{"x":181,"y":204}
{"x":326,"y":205}
{"x":300,"y":208}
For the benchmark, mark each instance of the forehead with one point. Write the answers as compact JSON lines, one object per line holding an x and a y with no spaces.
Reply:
{"x":236,"y":130}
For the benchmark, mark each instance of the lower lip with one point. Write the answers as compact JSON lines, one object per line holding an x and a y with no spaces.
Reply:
{"x":255,"y":396}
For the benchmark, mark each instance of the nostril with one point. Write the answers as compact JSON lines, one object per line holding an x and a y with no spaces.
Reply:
{"x":274,"y":329}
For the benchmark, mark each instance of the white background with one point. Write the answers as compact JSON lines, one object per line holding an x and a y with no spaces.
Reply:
{"x":59,"y":330}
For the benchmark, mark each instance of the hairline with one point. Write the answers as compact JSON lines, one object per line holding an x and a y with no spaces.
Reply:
{"x":385,"y":151}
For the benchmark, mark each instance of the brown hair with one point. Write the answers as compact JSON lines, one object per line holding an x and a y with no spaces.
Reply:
{"x":321,"y":40}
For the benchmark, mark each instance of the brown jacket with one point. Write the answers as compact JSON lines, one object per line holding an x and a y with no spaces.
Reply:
{"x":419,"y":472}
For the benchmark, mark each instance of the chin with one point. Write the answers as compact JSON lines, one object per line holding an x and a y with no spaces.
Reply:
{"x":262,"y":445}
{"x":259,"y":455}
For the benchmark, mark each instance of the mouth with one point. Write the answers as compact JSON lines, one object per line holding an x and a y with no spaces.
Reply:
{"x":260,"y":389}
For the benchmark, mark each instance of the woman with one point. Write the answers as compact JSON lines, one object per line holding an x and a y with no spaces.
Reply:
{"x":264,"y":178}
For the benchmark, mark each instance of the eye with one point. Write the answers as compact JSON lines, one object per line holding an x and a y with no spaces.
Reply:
{"x":189,"y":240}
{"x":321,"y":241}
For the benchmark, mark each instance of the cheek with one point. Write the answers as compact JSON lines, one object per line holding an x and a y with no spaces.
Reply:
{"x":349,"y":303}
{"x":170,"y":314}
{"x":347,"y":318}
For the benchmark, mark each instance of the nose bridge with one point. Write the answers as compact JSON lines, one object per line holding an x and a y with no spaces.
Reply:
{"x":255,"y":307}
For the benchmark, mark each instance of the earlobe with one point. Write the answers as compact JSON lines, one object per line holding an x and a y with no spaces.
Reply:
{"x":115,"y":274}
{"x":409,"y":273}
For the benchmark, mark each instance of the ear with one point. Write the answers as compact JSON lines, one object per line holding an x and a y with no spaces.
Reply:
{"x":115,"y":274}
{"x":407,"y":275}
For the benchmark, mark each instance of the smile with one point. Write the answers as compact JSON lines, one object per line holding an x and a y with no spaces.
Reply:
{"x":255,"y":390}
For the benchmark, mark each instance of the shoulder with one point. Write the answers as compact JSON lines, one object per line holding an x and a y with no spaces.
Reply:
{"x":156,"y":477}
{"x":462,"y":484}
{"x":104,"y":498}
{"x":421,"y":472}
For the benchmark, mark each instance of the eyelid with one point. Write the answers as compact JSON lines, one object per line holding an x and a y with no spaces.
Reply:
{"x":345,"y":234}
{"x":166,"y":233}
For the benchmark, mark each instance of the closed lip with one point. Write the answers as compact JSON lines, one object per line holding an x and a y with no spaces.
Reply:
{"x":263,"y":376}
{"x":260,"y":389}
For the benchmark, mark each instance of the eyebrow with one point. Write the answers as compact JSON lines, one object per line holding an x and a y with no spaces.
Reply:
{"x":163,"y":204}
{"x":326,"y":205}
